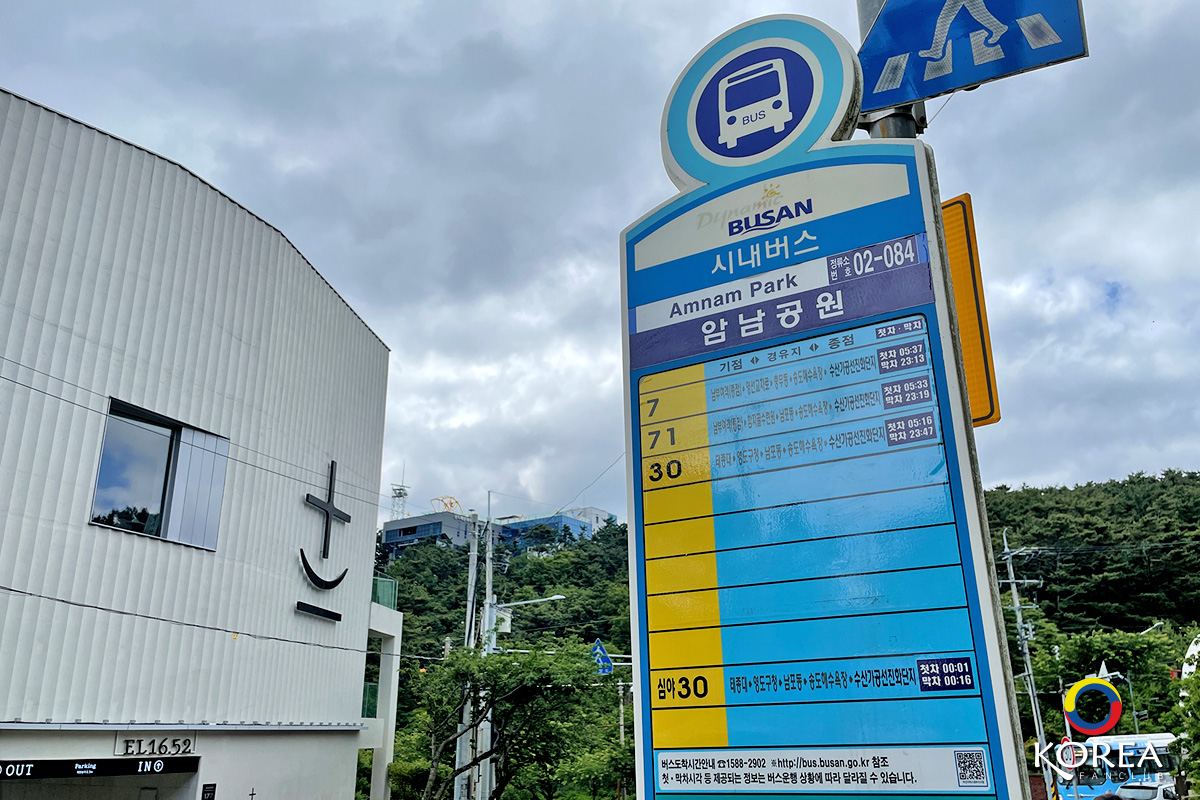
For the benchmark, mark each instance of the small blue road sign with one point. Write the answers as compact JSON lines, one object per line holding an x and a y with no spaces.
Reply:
{"x":923,"y":48}
{"x":604,"y":665}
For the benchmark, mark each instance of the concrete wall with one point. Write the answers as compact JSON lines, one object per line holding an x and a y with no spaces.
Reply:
{"x":166,"y":787}
{"x":281,"y":764}
{"x":125,"y":277}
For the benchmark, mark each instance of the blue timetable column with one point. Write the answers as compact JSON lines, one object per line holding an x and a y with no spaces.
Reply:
{"x":821,"y":473}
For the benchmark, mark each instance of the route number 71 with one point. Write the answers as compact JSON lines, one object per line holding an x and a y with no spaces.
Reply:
{"x":655,"y":435}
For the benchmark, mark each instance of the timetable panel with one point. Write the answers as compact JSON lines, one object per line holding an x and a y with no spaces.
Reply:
{"x":800,"y":548}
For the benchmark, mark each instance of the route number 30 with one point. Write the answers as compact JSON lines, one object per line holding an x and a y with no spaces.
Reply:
{"x":683,"y":687}
{"x":673,"y":470}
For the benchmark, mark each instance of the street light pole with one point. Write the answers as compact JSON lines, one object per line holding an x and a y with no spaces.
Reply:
{"x":486,"y":778}
{"x":1137,"y":728}
{"x":1132,"y":702}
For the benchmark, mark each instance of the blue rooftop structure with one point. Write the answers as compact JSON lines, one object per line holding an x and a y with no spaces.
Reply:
{"x":454,"y":529}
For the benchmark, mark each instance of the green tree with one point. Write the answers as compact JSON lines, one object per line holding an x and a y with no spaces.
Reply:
{"x":432,"y":590}
{"x":1184,"y":718}
{"x":607,"y":766}
{"x":409,"y":770}
{"x":1061,"y":659}
{"x":534,"y":700}
{"x":593,"y":576}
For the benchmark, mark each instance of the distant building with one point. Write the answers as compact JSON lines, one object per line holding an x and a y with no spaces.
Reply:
{"x":442,"y":526}
{"x":454,"y":530}
{"x":516,"y":530}
{"x":595,"y":517}
{"x":190,"y":452}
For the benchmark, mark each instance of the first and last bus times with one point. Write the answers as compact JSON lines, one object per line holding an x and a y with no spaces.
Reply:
{"x":799,"y":547}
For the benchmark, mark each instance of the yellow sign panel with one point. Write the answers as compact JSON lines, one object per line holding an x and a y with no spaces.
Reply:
{"x":976,"y":341}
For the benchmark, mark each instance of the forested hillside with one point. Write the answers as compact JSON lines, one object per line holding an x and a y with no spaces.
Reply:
{"x":561,"y":719}
{"x":590,"y":573}
{"x":1119,"y":565}
{"x":1120,"y":554}
{"x":1118,"y":562}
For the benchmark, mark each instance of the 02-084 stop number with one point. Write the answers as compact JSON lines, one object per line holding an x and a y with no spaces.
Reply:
{"x":893,"y":255}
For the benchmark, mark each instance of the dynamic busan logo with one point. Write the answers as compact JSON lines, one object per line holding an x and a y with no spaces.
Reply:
{"x":771,"y":218}
{"x":1068,"y":755}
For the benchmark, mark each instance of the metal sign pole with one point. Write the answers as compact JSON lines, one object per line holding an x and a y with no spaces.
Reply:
{"x":901,"y":122}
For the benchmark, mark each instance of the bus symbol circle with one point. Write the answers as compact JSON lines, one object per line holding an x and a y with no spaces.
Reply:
{"x":753,"y":102}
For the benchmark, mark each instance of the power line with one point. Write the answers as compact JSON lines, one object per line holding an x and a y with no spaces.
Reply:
{"x":590,"y":485}
{"x":518,"y":497}
{"x":317,"y":473}
{"x":194,"y":625}
{"x":940,"y":110}
{"x":380,"y":497}
{"x":1101,"y":548}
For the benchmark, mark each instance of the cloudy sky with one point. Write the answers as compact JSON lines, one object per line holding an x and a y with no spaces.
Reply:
{"x":460,"y":171}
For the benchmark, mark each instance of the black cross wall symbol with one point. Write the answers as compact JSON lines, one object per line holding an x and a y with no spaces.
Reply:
{"x":327,"y":507}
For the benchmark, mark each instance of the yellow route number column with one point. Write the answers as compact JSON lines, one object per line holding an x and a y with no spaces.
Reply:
{"x":687,"y":683}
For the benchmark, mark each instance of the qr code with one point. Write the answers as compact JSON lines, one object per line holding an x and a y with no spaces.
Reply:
{"x":972,"y":770}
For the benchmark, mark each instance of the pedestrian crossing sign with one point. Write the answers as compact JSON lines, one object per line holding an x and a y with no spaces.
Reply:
{"x":917,"y":49}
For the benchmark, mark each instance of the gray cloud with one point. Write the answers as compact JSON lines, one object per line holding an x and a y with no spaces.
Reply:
{"x":460,"y":172}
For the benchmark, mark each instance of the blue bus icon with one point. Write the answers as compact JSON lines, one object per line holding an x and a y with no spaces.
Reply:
{"x":752,"y":102}
{"x":753,"y":99}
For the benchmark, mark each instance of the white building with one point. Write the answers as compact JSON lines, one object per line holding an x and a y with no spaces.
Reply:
{"x":185,"y":584}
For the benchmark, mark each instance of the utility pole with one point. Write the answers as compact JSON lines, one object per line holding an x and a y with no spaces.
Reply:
{"x":464,"y":751}
{"x":472,"y":579}
{"x":1066,"y":724}
{"x":1024,"y":636}
{"x":489,"y":646}
{"x":621,"y":708}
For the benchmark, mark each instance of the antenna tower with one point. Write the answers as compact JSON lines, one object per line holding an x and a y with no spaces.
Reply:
{"x":399,"y":500}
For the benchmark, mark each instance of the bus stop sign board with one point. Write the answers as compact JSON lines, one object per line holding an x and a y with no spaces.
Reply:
{"x":811,"y":579}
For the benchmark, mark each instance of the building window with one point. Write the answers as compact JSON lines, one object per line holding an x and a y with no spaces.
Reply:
{"x":160,"y":478}
{"x":132,"y":484}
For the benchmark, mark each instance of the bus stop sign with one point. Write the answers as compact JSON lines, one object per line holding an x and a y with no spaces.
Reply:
{"x":811,"y":579}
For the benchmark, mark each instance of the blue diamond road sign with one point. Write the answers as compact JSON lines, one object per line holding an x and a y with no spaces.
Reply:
{"x":923,"y":48}
{"x":604,"y":664}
